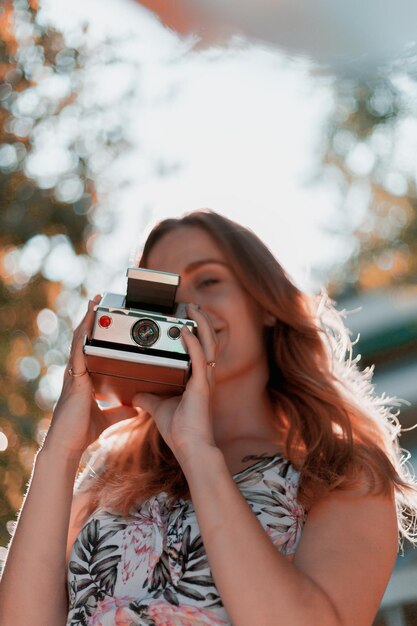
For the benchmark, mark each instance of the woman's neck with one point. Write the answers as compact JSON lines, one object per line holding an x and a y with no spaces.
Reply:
{"x":243,"y":409}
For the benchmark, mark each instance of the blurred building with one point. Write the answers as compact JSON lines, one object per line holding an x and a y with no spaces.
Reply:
{"x":387,"y":324}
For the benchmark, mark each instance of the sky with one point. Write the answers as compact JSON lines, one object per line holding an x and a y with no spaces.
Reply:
{"x":236,"y":129}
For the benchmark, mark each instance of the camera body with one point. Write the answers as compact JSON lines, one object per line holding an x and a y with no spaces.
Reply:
{"x":135,"y":342}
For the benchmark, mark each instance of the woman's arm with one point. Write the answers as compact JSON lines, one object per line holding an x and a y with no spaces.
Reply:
{"x":343,"y":564}
{"x":32,"y":589}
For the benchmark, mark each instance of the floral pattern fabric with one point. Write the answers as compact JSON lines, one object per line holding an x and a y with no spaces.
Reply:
{"x":151,"y":568}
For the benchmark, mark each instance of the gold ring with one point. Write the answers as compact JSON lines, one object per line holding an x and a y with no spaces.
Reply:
{"x":211,"y":363}
{"x":72,"y":373}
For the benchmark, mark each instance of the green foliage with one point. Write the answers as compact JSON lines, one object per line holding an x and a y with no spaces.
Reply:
{"x":369,"y":138}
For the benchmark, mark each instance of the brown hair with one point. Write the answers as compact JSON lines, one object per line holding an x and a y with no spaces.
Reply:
{"x":338,"y":433}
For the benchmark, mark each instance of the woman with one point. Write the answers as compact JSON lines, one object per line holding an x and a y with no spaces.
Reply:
{"x":270,"y":492}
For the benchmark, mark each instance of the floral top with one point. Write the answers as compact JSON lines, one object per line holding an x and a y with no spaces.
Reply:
{"x":150,"y":568}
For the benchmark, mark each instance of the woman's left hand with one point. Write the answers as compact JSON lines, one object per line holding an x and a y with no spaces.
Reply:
{"x":185,"y":421}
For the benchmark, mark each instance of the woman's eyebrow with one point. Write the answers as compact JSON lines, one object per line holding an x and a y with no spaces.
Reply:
{"x":196,"y":264}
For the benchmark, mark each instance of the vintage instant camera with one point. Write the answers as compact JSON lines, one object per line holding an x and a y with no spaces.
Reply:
{"x":135,"y":343}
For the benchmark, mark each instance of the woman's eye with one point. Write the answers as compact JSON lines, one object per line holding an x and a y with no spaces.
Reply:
{"x":208,"y":282}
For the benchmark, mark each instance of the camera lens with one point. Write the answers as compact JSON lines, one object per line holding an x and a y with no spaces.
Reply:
{"x":145,"y":333}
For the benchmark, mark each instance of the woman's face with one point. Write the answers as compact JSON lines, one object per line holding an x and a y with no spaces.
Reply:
{"x":207,"y":280}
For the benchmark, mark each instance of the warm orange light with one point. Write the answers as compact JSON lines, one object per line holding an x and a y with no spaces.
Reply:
{"x":186,"y":19}
{"x":175,"y":15}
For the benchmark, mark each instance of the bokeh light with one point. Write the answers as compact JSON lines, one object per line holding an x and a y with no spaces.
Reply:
{"x":4,"y":442}
{"x":47,"y":322}
{"x":17,"y":405}
{"x":29,"y":367}
{"x":69,"y":189}
{"x":8,"y":157}
{"x":62,"y":264}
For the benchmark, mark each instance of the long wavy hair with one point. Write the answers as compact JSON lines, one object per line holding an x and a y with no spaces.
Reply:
{"x":338,"y":433}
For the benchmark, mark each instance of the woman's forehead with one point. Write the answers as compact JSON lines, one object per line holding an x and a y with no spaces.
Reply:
{"x":179,"y":249}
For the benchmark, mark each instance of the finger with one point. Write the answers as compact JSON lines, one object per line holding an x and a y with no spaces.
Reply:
{"x":88,"y":319}
{"x":86,"y":324}
{"x":83,"y":330}
{"x":206,"y":332}
{"x":198,"y":358}
{"x":208,"y":340}
{"x":146,"y":401}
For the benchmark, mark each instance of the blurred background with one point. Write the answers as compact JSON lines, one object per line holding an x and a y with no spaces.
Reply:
{"x":295,"y":119}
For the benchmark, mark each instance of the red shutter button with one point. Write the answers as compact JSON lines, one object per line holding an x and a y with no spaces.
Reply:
{"x":105,"y":321}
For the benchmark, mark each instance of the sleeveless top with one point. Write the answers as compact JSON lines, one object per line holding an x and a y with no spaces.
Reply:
{"x":150,"y":568}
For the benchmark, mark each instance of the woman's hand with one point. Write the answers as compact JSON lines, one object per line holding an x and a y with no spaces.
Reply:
{"x":77,"y":420}
{"x":186,"y":421}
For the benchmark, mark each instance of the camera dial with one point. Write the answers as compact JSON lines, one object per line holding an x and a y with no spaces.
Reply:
{"x":174,"y":332}
{"x":145,"y":333}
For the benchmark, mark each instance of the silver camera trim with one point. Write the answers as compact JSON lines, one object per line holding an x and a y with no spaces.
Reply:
{"x":125,"y":319}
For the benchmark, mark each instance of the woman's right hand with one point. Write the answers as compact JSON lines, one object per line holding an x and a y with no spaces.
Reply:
{"x":77,"y":419}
